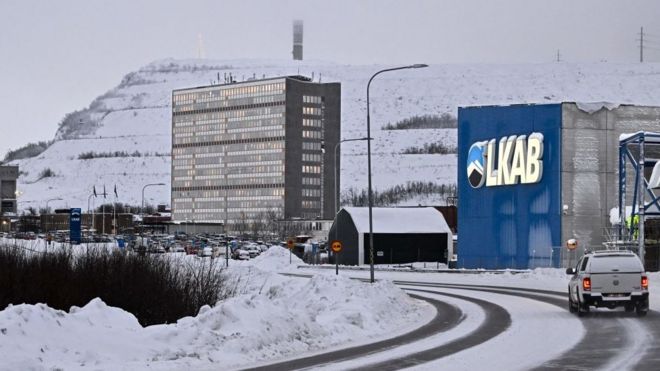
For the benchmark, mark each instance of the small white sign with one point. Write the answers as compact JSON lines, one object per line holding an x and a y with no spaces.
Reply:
{"x":380,"y":253}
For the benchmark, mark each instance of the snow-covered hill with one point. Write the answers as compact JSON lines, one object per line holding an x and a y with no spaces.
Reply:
{"x":134,"y":119}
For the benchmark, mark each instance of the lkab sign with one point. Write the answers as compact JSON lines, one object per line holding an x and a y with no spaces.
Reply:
{"x":519,"y":161}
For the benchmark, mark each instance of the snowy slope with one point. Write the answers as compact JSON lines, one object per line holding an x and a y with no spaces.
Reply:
{"x":135,"y":116}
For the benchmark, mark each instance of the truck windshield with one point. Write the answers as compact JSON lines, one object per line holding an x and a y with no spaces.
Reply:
{"x":620,"y":263}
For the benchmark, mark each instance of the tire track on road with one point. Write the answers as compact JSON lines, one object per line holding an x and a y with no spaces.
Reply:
{"x":497,"y":321}
{"x":599,"y":346}
{"x":447,"y":317}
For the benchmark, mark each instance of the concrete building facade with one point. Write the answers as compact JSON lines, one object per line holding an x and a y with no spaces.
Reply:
{"x":8,"y":176}
{"x":253,"y":150}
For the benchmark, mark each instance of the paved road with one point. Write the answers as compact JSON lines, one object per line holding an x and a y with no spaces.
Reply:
{"x":613,"y":340}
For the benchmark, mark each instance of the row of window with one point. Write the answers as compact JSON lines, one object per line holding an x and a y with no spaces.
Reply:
{"x":314,"y":111}
{"x":312,"y":99}
{"x":203,"y":140}
{"x":311,"y":169}
{"x":216,"y":127}
{"x":315,"y":123}
{"x":311,"y":157}
{"x":253,"y":148}
{"x":312,"y":134}
{"x":306,"y":192}
{"x":309,"y":204}
{"x":221,"y":116}
{"x":225,"y":92}
{"x":311,"y":146}
{"x":186,"y":110}
{"x":311,"y":181}
{"x":231,"y":194}
{"x":251,"y":182}
{"x":209,"y":172}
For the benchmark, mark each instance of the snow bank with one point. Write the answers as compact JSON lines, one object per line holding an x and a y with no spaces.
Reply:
{"x":273,"y":317}
{"x":592,"y":107}
{"x":276,"y":259}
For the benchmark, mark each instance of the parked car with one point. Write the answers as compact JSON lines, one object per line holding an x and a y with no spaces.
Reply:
{"x":205,"y":252}
{"x":608,"y":279}
{"x":253,"y":251}
{"x":240,"y":254}
{"x":177,"y":248}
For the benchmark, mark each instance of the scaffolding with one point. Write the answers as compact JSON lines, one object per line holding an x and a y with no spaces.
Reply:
{"x":638,"y":151}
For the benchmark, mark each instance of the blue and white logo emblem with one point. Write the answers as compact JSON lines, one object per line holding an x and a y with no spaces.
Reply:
{"x":475,"y":165}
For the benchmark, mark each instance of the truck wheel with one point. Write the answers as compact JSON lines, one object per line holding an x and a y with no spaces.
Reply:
{"x":642,"y":308}
{"x":583,"y":309}
{"x":572,"y":307}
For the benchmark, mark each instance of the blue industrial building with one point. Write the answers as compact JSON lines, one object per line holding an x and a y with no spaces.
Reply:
{"x":530,"y":177}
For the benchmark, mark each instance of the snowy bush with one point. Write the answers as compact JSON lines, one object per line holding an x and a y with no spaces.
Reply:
{"x":397,"y":194}
{"x":444,"y":121}
{"x":153,"y":288}
{"x":431,"y":149}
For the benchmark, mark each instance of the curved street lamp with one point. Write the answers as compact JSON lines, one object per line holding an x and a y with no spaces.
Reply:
{"x":51,"y":199}
{"x":147,"y":185}
{"x":371,"y":228}
{"x":142,"y":205}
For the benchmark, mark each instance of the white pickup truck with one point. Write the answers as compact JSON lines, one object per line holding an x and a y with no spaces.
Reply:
{"x":608,"y":279}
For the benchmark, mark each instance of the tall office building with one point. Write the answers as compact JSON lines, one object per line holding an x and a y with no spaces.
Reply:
{"x":8,"y":176}
{"x":262,"y":147}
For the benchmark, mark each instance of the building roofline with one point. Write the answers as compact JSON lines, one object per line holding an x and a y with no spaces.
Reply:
{"x":299,"y":78}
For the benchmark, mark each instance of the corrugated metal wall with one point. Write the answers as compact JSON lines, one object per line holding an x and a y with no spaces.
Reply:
{"x":590,"y":169}
{"x":511,"y":226}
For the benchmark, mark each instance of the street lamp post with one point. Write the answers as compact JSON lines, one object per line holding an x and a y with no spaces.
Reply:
{"x":337,"y":188}
{"x":370,"y":196}
{"x":88,"y":199}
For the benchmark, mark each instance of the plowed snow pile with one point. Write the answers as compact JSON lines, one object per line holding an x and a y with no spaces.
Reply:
{"x":274,"y":317}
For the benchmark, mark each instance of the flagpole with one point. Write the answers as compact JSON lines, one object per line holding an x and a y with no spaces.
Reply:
{"x":114,"y":212}
{"x":105,"y":197}
{"x":93,"y":212}
{"x":93,"y":215}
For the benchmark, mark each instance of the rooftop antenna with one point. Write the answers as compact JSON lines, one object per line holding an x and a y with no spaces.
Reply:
{"x":201,"y":54}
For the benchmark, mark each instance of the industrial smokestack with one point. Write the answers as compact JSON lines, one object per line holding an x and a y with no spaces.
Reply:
{"x":297,"y":40}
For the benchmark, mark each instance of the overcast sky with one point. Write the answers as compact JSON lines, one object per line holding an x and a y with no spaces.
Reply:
{"x":57,"y":56}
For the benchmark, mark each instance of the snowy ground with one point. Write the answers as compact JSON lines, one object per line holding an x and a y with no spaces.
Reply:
{"x":279,"y":317}
{"x":274,"y":317}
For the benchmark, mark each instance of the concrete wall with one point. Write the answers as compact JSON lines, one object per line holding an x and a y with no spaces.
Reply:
{"x":293,"y":156}
{"x":590,"y":168}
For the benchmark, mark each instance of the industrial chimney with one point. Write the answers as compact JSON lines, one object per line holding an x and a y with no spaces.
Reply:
{"x":297,"y":40}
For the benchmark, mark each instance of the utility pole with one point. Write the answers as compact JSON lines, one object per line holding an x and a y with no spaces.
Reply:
{"x":558,"y":56}
{"x":641,"y":45}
